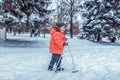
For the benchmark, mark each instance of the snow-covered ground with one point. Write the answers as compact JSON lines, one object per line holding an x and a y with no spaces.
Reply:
{"x":27,"y":58}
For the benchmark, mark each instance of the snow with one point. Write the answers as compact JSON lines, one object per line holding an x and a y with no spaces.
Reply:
{"x":8,"y":15}
{"x":23,"y":19}
{"x":34,"y":17}
{"x":27,"y":58}
{"x":53,"y":5}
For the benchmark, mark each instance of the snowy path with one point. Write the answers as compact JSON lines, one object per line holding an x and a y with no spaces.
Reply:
{"x":94,"y":61}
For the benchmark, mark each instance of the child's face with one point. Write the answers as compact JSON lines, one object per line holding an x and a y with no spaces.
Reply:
{"x":62,"y":29}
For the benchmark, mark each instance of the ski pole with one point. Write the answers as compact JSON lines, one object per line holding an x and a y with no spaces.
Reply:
{"x":73,"y":61}
{"x":58,"y":62}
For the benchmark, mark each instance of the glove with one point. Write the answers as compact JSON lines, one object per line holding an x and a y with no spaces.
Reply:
{"x":65,"y":44}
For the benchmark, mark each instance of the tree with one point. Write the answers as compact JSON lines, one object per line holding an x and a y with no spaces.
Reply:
{"x":43,"y":12}
{"x":102,"y":18}
{"x":24,"y":10}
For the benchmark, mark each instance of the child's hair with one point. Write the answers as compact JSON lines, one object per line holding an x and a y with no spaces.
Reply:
{"x":58,"y":25}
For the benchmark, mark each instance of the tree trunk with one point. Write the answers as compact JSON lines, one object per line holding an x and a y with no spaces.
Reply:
{"x":44,"y":33}
{"x":71,"y":23}
{"x":71,"y":32}
{"x":44,"y":29}
{"x":3,"y":34}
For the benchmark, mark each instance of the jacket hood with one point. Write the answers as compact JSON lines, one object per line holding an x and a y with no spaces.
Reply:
{"x":53,"y":31}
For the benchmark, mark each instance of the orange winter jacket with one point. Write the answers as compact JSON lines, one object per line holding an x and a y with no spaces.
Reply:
{"x":56,"y":42}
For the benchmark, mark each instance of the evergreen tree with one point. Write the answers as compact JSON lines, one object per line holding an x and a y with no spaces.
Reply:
{"x":24,"y":9}
{"x":102,"y":19}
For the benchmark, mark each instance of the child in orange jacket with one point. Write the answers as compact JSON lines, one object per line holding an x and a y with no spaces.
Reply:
{"x":57,"y":43}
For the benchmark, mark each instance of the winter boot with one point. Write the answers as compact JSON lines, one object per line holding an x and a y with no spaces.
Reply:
{"x":60,"y":69}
